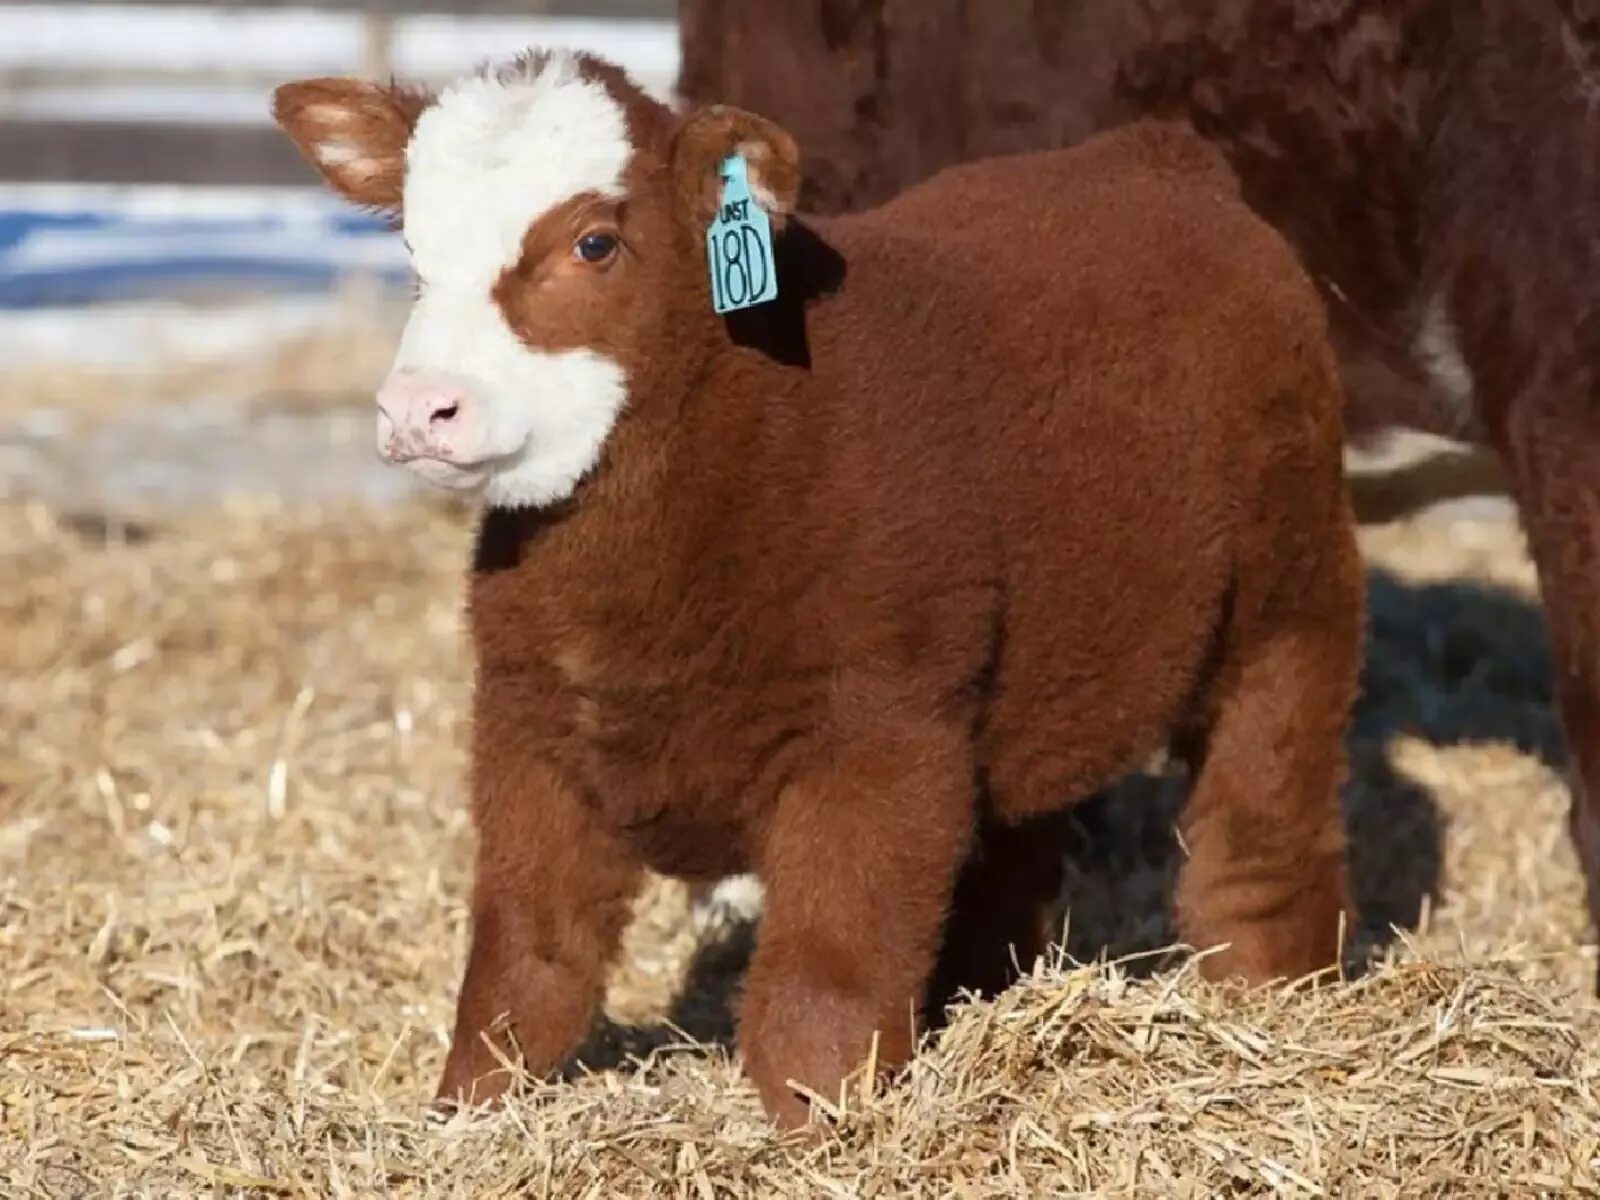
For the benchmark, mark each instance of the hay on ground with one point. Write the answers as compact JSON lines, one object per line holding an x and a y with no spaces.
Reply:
{"x":234,"y":853}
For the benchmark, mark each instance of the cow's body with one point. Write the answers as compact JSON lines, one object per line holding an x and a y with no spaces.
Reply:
{"x":1026,"y":475}
{"x":1435,"y":163}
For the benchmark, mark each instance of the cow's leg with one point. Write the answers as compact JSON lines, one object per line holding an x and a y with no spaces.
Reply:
{"x":1266,"y":874}
{"x":859,"y":863}
{"x":1003,"y":916}
{"x":1551,"y":447}
{"x":552,"y":894}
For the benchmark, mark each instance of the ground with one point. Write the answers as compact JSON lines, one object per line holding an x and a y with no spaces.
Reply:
{"x":234,"y":856}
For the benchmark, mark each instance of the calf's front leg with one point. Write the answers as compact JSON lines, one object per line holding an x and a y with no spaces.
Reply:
{"x":551,"y":897}
{"x":859,"y":863}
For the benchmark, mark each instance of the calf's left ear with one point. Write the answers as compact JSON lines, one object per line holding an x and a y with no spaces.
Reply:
{"x":709,"y":136}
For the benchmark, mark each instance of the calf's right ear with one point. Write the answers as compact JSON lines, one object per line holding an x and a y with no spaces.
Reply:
{"x":708,"y":136}
{"x":355,"y":133}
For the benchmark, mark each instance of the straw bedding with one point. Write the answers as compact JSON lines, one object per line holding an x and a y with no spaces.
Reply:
{"x":234,"y":854}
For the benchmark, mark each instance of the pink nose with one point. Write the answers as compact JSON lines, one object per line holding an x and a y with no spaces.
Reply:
{"x":418,"y":412}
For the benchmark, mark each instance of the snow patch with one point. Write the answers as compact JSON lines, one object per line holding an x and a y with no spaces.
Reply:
{"x":133,"y":335}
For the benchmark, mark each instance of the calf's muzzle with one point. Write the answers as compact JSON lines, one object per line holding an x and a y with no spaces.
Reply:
{"x":428,"y":415}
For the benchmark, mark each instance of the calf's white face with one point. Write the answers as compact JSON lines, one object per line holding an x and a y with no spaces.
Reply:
{"x":469,"y":405}
{"x":543,"y":288}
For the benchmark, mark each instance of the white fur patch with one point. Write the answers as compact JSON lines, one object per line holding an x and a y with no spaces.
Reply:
{"x":486,"y":161}
{"x":338,"y":154}
{"x":1438,"y":352}
{"x":763,"y":195}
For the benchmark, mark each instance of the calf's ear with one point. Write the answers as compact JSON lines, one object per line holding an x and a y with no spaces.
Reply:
{"x":355,"y":133}
{"x":708,"y":136}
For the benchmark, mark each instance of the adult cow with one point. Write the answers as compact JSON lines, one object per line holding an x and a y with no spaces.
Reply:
{"x":1436,"y":164}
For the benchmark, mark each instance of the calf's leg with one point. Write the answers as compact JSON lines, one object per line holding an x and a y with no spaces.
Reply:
{"x":1266,"y":875}
{"x":859,"y":862}
{"x":1003,"y":915}
{"x":1551,"y":446}
{"x":552,"y":894}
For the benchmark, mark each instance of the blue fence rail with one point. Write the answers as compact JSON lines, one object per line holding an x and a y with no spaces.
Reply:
{"x":71,"y":246}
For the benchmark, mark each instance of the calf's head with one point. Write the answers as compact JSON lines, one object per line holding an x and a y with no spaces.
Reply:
{"x":555,"y":216}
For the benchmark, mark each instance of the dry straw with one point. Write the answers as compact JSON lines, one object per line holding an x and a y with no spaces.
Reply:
{"x":233,"y":853}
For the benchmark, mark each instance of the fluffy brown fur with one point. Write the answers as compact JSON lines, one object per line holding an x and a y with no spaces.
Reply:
{"x":1025,"y":475}
{"x":1434,"y":163}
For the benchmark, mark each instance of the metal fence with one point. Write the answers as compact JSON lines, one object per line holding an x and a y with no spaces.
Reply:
{"x":611,"y":9}
{"x":73,"y":108}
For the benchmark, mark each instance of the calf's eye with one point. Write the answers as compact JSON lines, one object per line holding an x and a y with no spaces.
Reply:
{"x":596,"y":247}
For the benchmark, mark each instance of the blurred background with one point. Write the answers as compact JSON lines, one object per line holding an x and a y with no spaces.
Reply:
{"x":184,"y":312}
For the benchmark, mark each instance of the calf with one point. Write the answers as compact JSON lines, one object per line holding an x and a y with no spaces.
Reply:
{"x":1436,"y":164}
{"x":1019,"y":478}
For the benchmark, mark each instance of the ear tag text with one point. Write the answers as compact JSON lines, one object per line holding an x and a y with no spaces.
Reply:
{"x":739,"y":245}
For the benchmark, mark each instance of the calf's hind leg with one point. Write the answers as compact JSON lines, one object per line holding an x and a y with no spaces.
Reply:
{"x":1551,"y":446}
{"x":1003,"y":914}
{"x":1266,"y":872}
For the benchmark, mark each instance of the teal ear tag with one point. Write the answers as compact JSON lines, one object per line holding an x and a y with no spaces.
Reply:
{"x":739,"y":246}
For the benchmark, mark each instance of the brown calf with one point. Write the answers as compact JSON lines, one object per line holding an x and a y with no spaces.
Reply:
{"x":1436,"y":164}
{"x":1021,"y":477}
